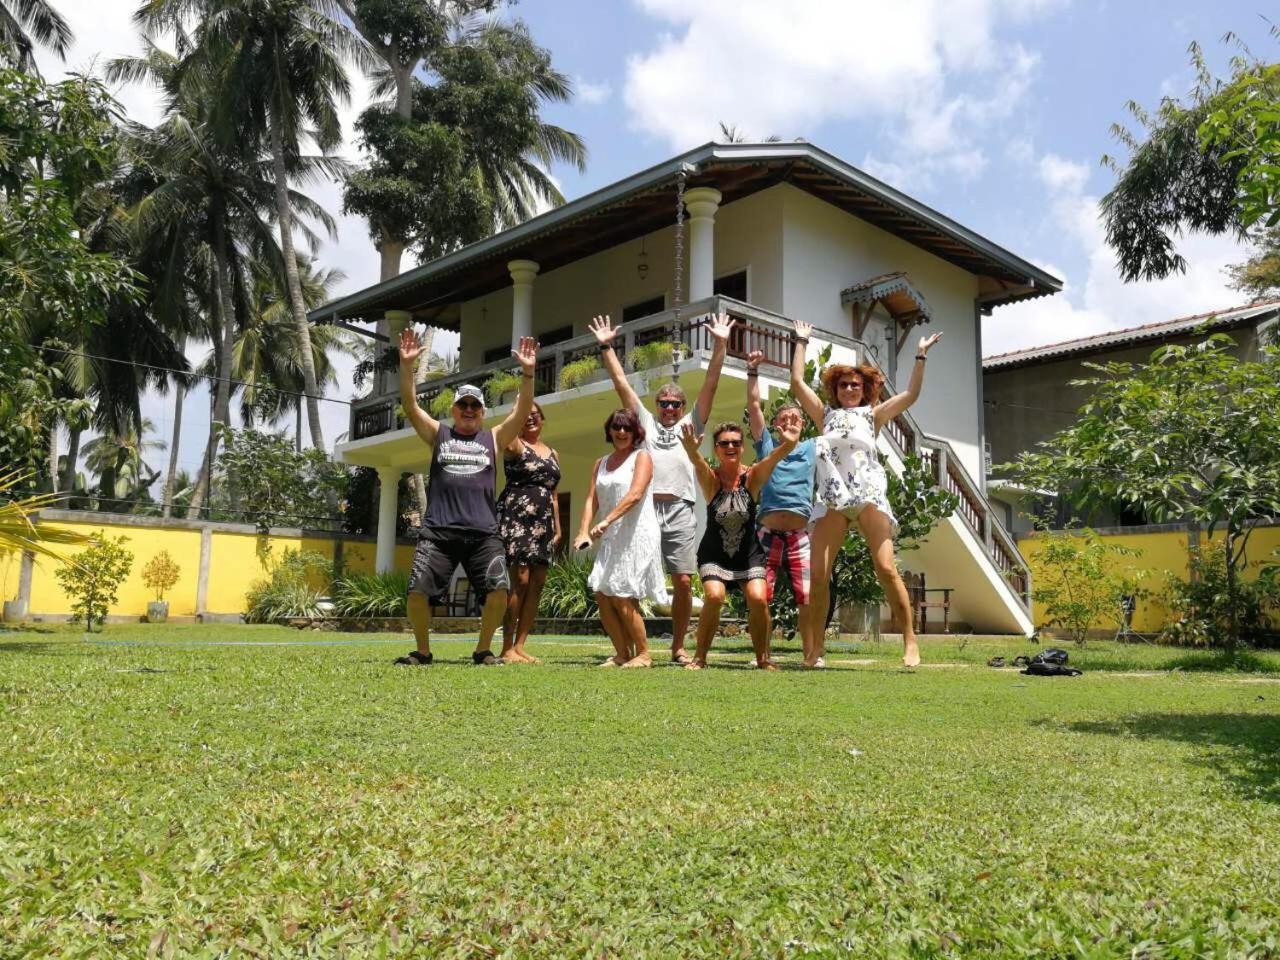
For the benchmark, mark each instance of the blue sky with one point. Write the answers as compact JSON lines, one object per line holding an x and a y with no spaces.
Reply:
{"x":995,"y":112}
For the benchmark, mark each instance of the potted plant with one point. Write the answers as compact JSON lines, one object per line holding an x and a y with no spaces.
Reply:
{"x":440,"y":405}
{"x":502,"y":386}
{"x":160,"y":574}
{"x":579,"y":372}
{"x":655,"y":354}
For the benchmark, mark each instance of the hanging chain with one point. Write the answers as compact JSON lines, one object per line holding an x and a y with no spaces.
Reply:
{"x":678,"y":295}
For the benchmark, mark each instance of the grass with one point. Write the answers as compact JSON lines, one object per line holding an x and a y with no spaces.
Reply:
{"x":256,"y":791}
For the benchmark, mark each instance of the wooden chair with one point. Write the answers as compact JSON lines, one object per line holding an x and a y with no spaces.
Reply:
{"x":921,"y":602}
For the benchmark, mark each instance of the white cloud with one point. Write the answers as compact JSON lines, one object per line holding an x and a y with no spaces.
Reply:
{"x":931,"y":70}
{"x":1102,"y":301}
{"x":591,"y":93}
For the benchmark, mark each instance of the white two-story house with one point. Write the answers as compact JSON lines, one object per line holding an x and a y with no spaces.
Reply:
{"x":765,"y":232}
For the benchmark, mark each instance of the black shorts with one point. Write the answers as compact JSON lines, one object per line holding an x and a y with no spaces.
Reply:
{"x":481,"y":555}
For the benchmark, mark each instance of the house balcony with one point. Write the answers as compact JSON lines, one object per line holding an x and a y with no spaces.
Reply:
{"x":970,"y":552}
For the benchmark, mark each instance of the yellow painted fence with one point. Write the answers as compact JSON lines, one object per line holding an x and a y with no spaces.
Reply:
{"x":218,"y":563}
{"x":1165,"y":549}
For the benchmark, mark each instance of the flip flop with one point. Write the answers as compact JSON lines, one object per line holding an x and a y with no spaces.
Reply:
{"x":487,"y":658}
{"x":414,"y":659}
{"x":683,"y":660}
{"x":996,"y":662}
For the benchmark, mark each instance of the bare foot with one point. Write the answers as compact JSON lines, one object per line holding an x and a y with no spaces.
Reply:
{"x":695,"y":664}
{"x":911,"y":654}
{"x":681,"y":656}
{"x":526,"y":656}
{"x":613,"y":661}
{"x":637,"y":662}
{"x":767,"y":665}
{"x":811,"y":664}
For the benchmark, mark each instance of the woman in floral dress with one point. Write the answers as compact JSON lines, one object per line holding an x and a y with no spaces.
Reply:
{"x":529,"y":525}
{"x":851,"y":483}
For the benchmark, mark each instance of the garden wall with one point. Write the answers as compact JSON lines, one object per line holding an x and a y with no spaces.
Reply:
{"x":218,"y":561}
{"x":1165,"y":548}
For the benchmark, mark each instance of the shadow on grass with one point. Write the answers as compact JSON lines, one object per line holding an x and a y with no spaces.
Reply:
{"x":70,"y":647}
{"x":1217,"y":661}
{"x":1250,"y":761}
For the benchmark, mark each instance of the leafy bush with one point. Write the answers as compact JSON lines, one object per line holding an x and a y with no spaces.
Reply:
{"x":160,"y":573}
{"x":507,"y":381}
{"x":1204,"y":604}
{"x":566,"y":593}
{"x":441,"y":404}
{"x":273,"y":484}
{"x":371,"y":594}
{"x":575,"y":374}
{"x":93,"y":577}
{"x":1077,"y":583}
{"x":655,"y":354}
{"x":291,"y":589}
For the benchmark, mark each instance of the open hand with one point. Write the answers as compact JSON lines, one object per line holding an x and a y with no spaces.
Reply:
{"x":927,"y":342}
{"x":603,"y":329}
{"x":527,"y":354}
{"x":690,"y":438}
{"x":803,"y":329}
{"x":410,"y":346}
{"x":720,"y":327}
{"x":790,"y":436}
{"x":754,"y":359}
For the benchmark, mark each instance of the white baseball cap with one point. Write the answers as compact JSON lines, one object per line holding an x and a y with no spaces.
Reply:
{"x":469,"y":390}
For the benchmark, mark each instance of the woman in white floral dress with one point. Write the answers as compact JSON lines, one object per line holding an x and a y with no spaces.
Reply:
{"x":851,"y":483}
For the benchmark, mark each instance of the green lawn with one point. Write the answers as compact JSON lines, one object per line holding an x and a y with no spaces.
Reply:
{"x":255,"y":791}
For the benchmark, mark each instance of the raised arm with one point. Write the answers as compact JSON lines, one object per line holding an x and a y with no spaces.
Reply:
{"x":719,"y":328}
{"x":425,"y":425}
{"x":638,"y":491}
{"x":510,"y":428}
{"x":583,"y":540}
{"x":809,"y":401}
{"x":760,"y":471}
{"x":755,"y":415}
{"x":605,"y":333}
{"x":899,"y":402}
{"x":691,"y":440}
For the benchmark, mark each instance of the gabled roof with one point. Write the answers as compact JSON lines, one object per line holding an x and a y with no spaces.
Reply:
{"x":900,"y":297}
{"x":645,"y":202}
{"x":1211,"y":321}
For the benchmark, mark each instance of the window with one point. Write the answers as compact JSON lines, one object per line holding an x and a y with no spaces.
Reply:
{"x":645,"y":308}
{"x":733,"y":285}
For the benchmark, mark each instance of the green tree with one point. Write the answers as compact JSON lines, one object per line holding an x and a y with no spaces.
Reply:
{"x":94,"y":576}
{"x":1079,"y":581}
{"x":59,"y":143}
{"x":1191,"y":435}
{"x":271,"y":484}
{"x":23,"y":24}
{"x":117,"y":459}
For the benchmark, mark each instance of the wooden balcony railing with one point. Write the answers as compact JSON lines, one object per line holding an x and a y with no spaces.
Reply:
{"x":756,"y":329}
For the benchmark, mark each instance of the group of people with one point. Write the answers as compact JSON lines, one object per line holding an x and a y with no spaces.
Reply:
{"x":788,"y":511}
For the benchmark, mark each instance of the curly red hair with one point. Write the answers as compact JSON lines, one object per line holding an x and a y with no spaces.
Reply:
{"x":872,"y":382}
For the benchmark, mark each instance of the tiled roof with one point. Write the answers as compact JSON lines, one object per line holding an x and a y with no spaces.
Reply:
{"x":1213,"y":320}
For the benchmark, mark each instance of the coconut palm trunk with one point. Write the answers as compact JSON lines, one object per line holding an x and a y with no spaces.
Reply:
{"x":284,"y":210}
{"x":171,"y":475}
{"x":68,"y":482}
{"x":225,"y":320}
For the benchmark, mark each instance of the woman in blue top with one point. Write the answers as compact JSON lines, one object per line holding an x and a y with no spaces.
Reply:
{"x":851,"y":483}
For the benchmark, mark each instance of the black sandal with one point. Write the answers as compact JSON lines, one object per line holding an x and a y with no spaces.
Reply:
{"x":996,"y":662}
{"x":486,"y":658}
{"x":415,"y":659}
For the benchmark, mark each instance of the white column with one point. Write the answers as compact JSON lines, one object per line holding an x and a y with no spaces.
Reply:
{"x":388,"y":485}
{"x":391,"y":326}
{"x":702,"y":203}
{"x":522,"y":274}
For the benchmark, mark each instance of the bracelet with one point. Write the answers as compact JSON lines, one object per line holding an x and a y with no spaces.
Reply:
{"x":752,"y":372}
{"x":921,"y":357}
{"x":605,"y":346}
{"x":528,"y":376}
{"x":801,"y":339}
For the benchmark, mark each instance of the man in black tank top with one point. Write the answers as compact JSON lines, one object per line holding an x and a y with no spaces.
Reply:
{"x":461,"y":524}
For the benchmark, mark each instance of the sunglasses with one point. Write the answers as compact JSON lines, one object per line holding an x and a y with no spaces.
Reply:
{"x":671,"y":404}
{"x":469,"y":405}
{"x":729,"y":443}
{"x":619,"y":428}
{"x":850,"y":384}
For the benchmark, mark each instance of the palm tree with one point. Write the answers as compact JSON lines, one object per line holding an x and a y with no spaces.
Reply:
{"x":117,"y":458}
{"x":23,"y":23}
{"x":209,"y":204}
{"x":277,"y":72}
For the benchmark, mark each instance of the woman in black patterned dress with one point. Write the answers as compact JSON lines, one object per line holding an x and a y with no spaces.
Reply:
{"x":529,"y":525}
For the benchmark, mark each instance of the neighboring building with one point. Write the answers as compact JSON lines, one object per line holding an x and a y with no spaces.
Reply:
{"x":773,"y":231}
{"x":1028,"y":394}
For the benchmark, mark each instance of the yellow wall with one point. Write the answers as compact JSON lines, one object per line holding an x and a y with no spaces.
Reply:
{"x":1162,"y":553}
{"x":237,"y":559}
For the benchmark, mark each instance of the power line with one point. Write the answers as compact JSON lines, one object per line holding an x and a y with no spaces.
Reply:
{"x":192,"y":373}
{"x":1024,"y":406}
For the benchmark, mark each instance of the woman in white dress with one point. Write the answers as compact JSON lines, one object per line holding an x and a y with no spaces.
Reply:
{"x":628,"y":564}
{"x":851,"y":483}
